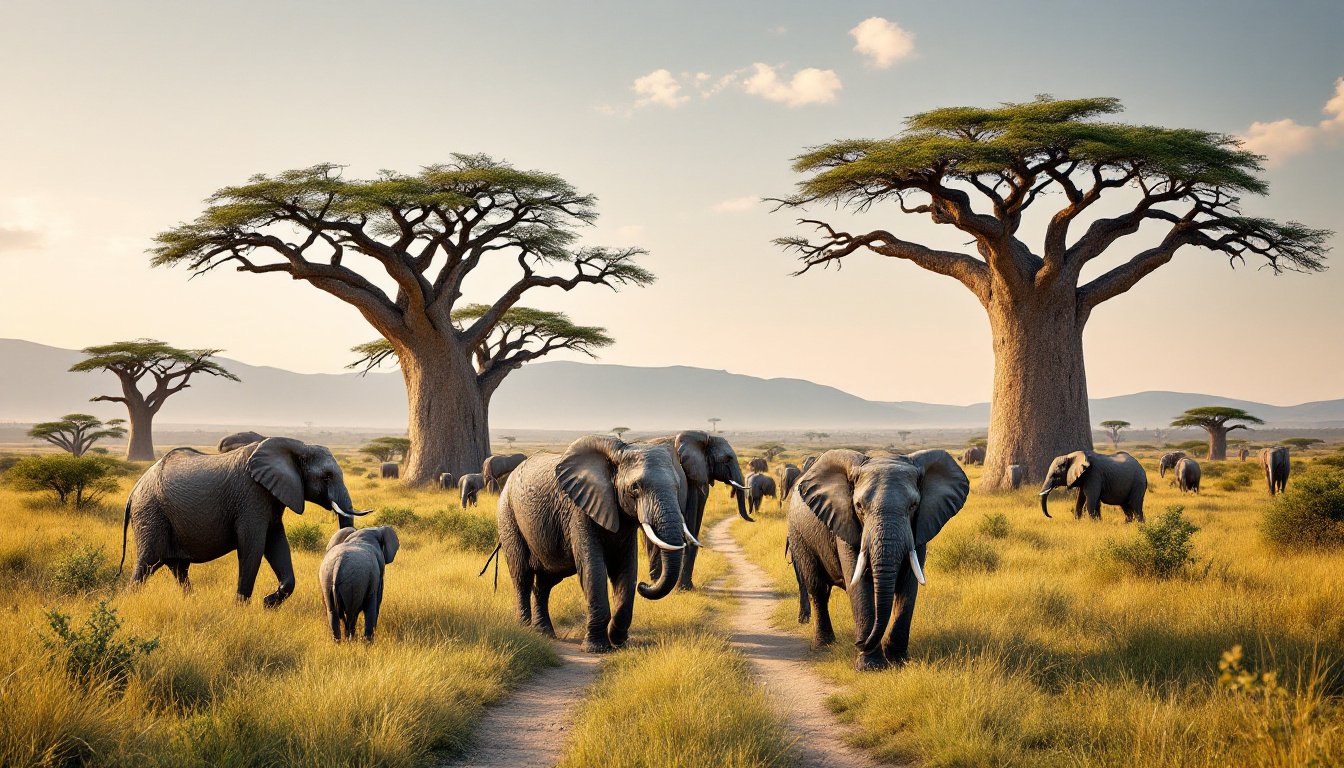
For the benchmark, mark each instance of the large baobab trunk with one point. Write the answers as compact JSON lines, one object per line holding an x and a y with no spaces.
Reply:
{"x":141,"y":444}
{"x":446,"y":416}
{"x":1039,"y":410}
{"x":1217,"y":443}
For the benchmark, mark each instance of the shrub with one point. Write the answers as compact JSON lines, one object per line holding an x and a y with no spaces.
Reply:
{"x":961,"y":552}
{"x":398,"y":517}
{"x":82,"y":570}
{"x":1196,"y":448}
{"x":1309,"y":514}
{"x":1161,"y":549}
{"x":95,"y":652}
{"x":470,"y":531}
{"x":995,"y":525}
{"x":1334,"y":462}
{"x":306,"y":537}
{"x":80,"y":481}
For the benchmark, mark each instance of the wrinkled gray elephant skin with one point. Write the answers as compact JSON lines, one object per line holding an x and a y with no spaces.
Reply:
{"x":973,"y":455}
{"x":238,"y":440}
{"x":808,"y":462}
{"x":470,"y":487}
{"x":862,"y":524}
{"x":758,"y":465}
{"x":192,"y":507}
{"x":351,"y":577}
{"x":1188,"y":474}
{"x":579,"y":514}
{"x":758,"y":487}
{"x":1117,"y":479}
{"x":788,"y":476}
{"x":1276,"y":463}
{"x":496,"y":469}
{"x":1168,"y":461}
{"x":446,"y":481}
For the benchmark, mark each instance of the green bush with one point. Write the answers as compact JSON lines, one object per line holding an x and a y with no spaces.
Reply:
{"x":960,"y":552}
{"x":470,"y":531}
{"x":306,"y":537}
{"x":1161,"y":549}
{"x":995,"y":525}
{"x":1333,"y":462}
{"x":78,"y":481}
{"x":95,"y":652}
{"x":397,"y":517}
{"x":82,"y":570}
{"x":1309,"y":514}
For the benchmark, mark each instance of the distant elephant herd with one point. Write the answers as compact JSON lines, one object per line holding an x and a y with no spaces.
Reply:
{"x":859,"y":523}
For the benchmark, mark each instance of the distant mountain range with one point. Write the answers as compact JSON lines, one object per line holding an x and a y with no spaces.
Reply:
{"x":35,"y":385}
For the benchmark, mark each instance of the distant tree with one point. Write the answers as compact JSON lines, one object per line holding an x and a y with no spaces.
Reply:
{"x":620,"y":431}
{"x":980,"y":170}
{"x":387,"y":448}
{"x":77,"y":432}
{"x":1113,"y":429}
{"x":903,"y":433}
{"x":425,"y":234}
{"x":1214,"y":419}
{"x":979,"y":442}
{"x":510,"y":439}
{"x":714,"y":423}
{"x":770,"y":450}
{"x":133,"y":361}
{"x":74,"y":480}
{"x":1301,"y":443}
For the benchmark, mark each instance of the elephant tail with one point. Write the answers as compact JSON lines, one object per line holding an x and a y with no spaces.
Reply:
{"x":125,"y":528}
{"x":493,"y":556}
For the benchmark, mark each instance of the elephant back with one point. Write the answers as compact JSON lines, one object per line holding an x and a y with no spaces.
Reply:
{"x":187,"y":478}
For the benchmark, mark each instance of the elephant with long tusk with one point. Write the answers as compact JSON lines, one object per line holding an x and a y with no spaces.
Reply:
{"x":862,"y":524}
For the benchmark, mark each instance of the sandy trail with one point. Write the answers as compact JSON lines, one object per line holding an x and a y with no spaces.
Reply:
{"x":529,"y":729}
{"x":779,"y":661}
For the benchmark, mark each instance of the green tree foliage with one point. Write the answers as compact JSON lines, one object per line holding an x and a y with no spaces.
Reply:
{"x":977,"y":442}
{"x":619,"y":431}
{"x":1301,"y":443}
{"x":769,"y":450}
{"x":1217,"y":420}
{"x":77,"y":432}
{"x":79,"y":481}
{"x":81,"y":570}
{"x":1309,"y":514}
{"x":97,"y":651}
{"x":1114,"y":427}
{"x":387,"y":448}
{"x":1162,"y":548}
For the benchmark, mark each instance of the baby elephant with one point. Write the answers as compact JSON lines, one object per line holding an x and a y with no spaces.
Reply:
{"x":352,"y":577}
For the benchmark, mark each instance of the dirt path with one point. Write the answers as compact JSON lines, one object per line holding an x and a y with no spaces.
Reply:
{"x":778,"y":659}
{"x":530,"y":727}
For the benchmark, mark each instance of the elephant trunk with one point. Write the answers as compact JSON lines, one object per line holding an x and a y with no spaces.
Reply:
{"x":662,"y":523}
{"x":738,"y":484}
{"x":888,"y":551}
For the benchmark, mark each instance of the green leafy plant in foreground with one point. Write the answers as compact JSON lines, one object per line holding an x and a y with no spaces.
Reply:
{"x":1162,"y":548}
{"x":95,"y":652}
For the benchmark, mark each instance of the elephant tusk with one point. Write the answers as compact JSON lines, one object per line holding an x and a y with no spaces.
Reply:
{"x":859,"y":566}
{"x":914,"y":566}
{"x":738,"y":485}
{"x":648,"y":531}
{"x":1045,"y":492}
{"x":691,"y":537}
{"x":352,"y":513}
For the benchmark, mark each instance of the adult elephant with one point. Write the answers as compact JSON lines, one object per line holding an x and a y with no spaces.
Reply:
{"x":579,"y":514}
{"x":1187,"y":475}
{"x":446,"y":481}
{"x":1017,"y":474}
{"x":808,"y":462}
{"x":758,"y":465}
{"x":704,"y":459}
{"x":863,"y":524}
{"x":496,"y":470}
{"x":470,"y":487}
{"x":1117,"y":479}
{"x":758,"y":487}
{"x":973,"y":455}
{"x":1243,"y":453}
{"x":1276,"y":463}
{"x":192,"y":507}
{"x":788,"y":476}
{"x":390,"y":470}
{"x":238,"y":440}
{"x":1169,"y":461}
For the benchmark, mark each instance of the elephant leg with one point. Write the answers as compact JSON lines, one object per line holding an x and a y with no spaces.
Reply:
{"x":541,"y":603}
{"x":1078,"y":503}
{"x":1093,"y":504}
{"x":896,"y":646}
{"x":334,"y":616}
{"x":371,"y":606}
{"x":251,"y":548}
{"x":813,"y":583}
{"x":694,"y":520}
{"x":623,"y":598}
{"x":351,"y":620}
{"x":593,"y":570}
{"x":179,"y":568}
{"x":277,"y":556}
{"x":804,"y":606}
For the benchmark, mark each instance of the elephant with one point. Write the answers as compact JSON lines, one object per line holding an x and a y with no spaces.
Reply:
{"x":390,"y":470}
{"x":1017,"y":474}
{"x":1243,"y":453}
{"x":704,"y":458}
{"x":758,"y":465}
{"x":788,"y":475}
{"x":758,"y":487}
{"x":192,"y":507}
{"x":1187,"y":474}
{"x":1168,"y":461}
{"x":470,"y":487}
{"x":1275,"y":461}
{"x":863,"y":524}
{"x":446,"y":481}
{"x":238,"y":440}
{"x":973,"y":455}
{"x":578,"y":513}
{"x":351,"y":577}
{"x":497,"y":468}
{"x":1117,"y":479}
{"x":808,"y":462}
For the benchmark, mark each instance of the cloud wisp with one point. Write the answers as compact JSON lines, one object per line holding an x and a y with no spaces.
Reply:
{"x":738,"y":204}
{"x":661,"y":88}
{"x":808,"y":86}
{"x":1285,"y":138}
{"x":882,"y":42}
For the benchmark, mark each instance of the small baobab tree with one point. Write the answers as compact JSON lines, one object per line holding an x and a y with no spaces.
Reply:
{"x":714,"y":423}
{"x":77,"y":432}
{"x":1216,"y":420}
{"x":171,"y":369}
{"x":510,"y":439}
{"x":1114,"y":427}
{"x":904,"y":435}
{"x":619,"y":431}
{"x":387,"y":448}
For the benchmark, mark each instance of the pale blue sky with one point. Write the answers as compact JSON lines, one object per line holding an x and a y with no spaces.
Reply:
{"x":118,"y":118}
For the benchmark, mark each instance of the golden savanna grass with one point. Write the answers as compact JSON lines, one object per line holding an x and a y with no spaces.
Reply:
{"x":1058,"y":657}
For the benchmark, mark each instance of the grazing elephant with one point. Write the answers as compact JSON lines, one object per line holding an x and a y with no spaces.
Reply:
{"x":862,"y":524}
{"x":1017,"y":474}
{"x":1168,"y":461}
{"x":808,"y":462}
{"x":788,"y":475}
{"x":390,"y":470}
{"x":578,"y":514}
{"x":758,"y":465}
{"x":1187,"y":474}
{"x":496,"y":470}
{"x":192,"y":507}
{"x":1243,"y":453}
{"x":704,"y":458}
{"x":1276,"y":463}
{"x":470,"y":487}
{"x":973,"y":455}
{"x":351,"y":577}
{"x":446,"y":481}
{"x":1117,"y":479}
{"x":758,"y":487}
{"x":238,"y":440}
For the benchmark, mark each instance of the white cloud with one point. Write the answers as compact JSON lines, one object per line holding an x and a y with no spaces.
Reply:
{"x":883,"y":42}
{"x":659,"y":87}
{"x":1282,"y":139}
{"x":15,"y":237}
{"x":808,"y":86}
{"x":737,"y":204}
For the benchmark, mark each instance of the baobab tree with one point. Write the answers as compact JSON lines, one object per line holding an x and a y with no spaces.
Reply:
{"x":77,"y":432}
{"x":134,"y":361}
{"x":1214,"y":419}
{"x":980,"y":170}
{"x":714,"y":423}
{"x":619,"y":431}
{"x":424,"y":234}
{"x":1113,"y":429}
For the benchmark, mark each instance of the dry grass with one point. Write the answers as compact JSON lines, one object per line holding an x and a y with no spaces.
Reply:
{"x":1056,"y":658}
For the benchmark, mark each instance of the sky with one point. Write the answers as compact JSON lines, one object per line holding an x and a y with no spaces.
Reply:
{"x":119,"y":119}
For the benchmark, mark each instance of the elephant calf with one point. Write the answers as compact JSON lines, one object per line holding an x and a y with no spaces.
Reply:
{"x":351,"y":577}
{"x":470,"y":487}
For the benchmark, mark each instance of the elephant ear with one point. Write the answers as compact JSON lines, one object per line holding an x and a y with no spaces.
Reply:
{"x":275,"y":465}
{"x":692,"y":453}
{"x":1079,"y":461}
{"x":586,"y":475}
{"x":340,"y":536}
{"x":943,"y":488}
{"x":828,"y":490}
{"x":387,"y":538}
